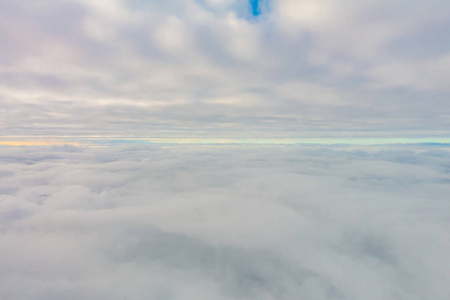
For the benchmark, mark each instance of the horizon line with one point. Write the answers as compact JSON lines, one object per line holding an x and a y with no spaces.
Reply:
{"x":102,"y":140}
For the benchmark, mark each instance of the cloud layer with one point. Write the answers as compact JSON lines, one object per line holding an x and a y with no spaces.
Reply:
{"x":245,"y":222}
{"x":209,"y":67}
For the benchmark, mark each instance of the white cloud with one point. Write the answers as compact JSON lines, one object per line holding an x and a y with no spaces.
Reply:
{"x":205,"y":60}
{"x":416,"y":75}
{"x":224,"y":223}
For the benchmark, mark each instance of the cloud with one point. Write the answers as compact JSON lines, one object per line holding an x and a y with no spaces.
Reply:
{"x":177,"y":63}
{"x":227,"y":222}
{"x":273,"y":222}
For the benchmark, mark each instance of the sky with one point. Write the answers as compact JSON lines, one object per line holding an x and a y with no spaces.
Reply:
{"x":224,"y":69}
{"x":224,"y":149}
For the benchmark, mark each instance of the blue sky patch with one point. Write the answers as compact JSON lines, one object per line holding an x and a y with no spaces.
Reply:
{"x":254,"y":7}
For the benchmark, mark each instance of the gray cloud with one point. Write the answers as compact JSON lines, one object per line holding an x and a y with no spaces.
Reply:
{"x":224,"y":222}
{"x":235,"y":221}
{"x":308,"y":66}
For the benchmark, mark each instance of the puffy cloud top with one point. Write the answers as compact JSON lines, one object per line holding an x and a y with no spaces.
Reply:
{"x":224,"y":223}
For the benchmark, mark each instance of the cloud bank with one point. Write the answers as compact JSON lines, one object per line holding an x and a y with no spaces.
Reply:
{"x":245,"y":222}
{"x":208,"y":67}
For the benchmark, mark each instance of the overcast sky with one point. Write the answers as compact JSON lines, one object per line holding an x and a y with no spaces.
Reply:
{"x":278,"y":68}
{"x":130,"y":215}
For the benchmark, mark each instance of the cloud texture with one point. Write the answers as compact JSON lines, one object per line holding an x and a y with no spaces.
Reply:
{"x":246,"y":222}
{"x":208,"y":67}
